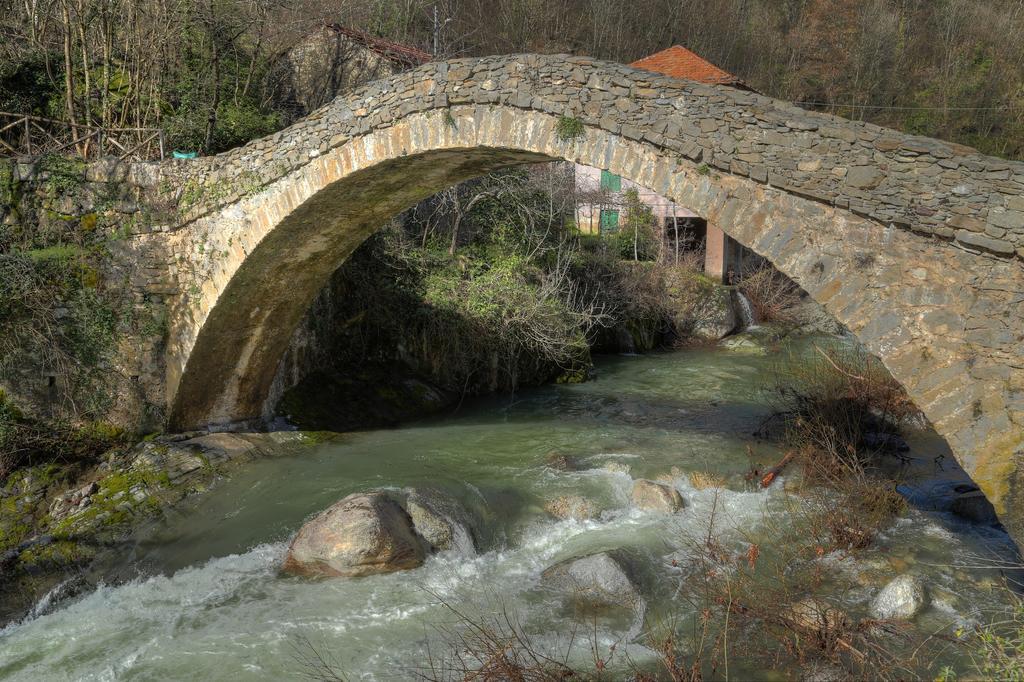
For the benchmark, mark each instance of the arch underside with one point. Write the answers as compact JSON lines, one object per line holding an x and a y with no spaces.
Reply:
{"x":937,"y":316}
{"x":239,"y":347}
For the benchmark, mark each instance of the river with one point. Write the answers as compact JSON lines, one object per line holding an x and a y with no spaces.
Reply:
{"x":203,"y":598}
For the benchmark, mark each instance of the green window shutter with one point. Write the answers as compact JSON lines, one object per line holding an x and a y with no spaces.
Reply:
{"x":609,"y":221}
{"x":610,"y":181}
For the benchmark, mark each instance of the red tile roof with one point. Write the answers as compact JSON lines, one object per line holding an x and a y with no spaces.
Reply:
{"x":403,"y":55}
{"x":678,"y":62}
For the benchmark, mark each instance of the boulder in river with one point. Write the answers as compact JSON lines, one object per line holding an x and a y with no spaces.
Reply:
{"x":571,"y":507}
{"x":363,"y":534}
{"x":617,"y":467}
{"x":745,"y":342}
{"x":816,"y":617}
{"x":975,"y":507}
{"x":441,"y":520}
{"x":712,"y":318}
{"x":655,"y":496}
{"x":597,"y":580}
{"x":902,"y":599}
{"x":559,"y":461}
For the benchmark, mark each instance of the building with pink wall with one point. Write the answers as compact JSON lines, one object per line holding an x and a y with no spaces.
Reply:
{"x":601,"y":194}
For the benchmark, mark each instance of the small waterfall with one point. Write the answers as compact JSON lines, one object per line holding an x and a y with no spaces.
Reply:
{"x":746,"y":311}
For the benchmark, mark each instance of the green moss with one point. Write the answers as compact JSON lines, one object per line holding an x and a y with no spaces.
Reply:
{"x":574,"y":376}
{"x":64,"y":174}
{"x":88,"y":222}
{"x":109,"y":502}
{"x":58,"y":252}
{"x":23,"y":504}
{"x":15,"y":524}
{"x":61,"y":552}
{"x":318,"y":437}
{"x":102,"y":431}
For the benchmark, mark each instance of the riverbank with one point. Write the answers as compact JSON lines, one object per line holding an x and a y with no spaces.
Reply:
{"x":60,"y":531}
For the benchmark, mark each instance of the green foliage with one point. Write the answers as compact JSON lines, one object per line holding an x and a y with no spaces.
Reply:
{"x":240,"y":114}
{"x":568,"y":128}
{"x":25,"y":86}
{"x":236,"y":125}
{"x":64,"y":173}
{"x":636,"y":238}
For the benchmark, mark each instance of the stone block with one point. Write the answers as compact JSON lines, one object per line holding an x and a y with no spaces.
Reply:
{"x":864,"y":177}
{"x":962,"y":222}
{"x":1011,"y":220}
{"x":984,"y":242}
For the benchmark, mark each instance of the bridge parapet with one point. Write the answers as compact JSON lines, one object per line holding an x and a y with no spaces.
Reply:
{"x":945,"y":190}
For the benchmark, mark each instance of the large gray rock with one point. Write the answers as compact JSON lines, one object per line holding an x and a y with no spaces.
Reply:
{"x":363,"y":534}
{"x":901,"y":599}
{"x":744,"y":343}
{"x":441,"y":520}
{"x":597,"y":580}
{"x":655,"y":496}
{"x":712,"y":318}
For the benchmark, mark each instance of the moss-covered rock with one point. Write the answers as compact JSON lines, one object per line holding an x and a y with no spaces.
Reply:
{"x":55,"y":520}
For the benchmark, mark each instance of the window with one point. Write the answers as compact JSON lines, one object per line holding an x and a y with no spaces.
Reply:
{"x":610,"y":181}
{"x":609,"y":221}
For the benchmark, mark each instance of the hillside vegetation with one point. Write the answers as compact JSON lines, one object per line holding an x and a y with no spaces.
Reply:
{"x":210,"y":72}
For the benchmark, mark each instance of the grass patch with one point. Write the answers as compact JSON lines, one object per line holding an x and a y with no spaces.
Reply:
{"x":569,"y":128}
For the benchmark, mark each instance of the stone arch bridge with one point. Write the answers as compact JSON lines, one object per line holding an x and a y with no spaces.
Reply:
{"x":916,"y":245}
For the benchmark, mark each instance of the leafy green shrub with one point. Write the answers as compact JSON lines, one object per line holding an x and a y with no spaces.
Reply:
{"x":637,"y":238}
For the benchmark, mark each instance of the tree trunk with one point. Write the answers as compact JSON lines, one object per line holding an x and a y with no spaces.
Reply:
{"x":211,"y":120}
{"x":69,"y":76}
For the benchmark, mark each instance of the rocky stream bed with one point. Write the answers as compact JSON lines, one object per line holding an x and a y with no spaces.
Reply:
{"x":567,"y":506}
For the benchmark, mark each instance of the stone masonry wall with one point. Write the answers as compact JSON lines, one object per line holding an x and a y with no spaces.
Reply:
{"x":101,"y":214}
